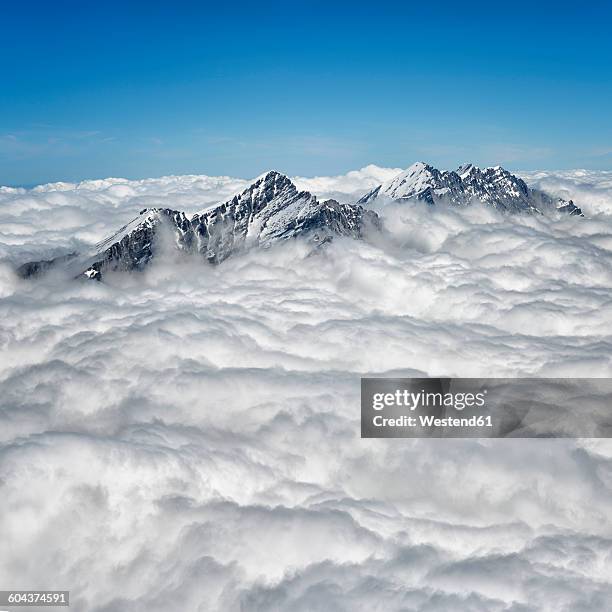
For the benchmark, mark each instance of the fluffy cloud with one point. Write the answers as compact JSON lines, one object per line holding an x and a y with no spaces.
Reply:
{"x":593,"y":188}
{"x":347,"y":187}
{"x":188,"y":438}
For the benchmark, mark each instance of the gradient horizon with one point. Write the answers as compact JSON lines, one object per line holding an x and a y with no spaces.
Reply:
{"x":151,"y":89}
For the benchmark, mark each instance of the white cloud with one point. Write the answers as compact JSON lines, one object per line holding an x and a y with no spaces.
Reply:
{"x":592,"y":189}
{"x":189,"y":438}
{"x":347,"y":187}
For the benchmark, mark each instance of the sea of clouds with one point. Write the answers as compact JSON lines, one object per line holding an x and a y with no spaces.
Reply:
{"x":188,"y":438}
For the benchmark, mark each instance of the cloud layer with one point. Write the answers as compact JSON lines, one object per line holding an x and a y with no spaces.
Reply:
{"x":188,"y":439}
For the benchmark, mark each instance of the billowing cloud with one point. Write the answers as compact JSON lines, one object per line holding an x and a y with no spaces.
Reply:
{"x":593,"y":188}
{"x":188,"y":438}
{"x":347,"y":187}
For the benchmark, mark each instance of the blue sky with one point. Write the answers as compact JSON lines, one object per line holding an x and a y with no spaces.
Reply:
{"x":142,"y":89}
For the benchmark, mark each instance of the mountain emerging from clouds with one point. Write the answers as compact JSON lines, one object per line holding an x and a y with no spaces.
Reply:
{"x":272,"y":209}
{"x":494,"y":187}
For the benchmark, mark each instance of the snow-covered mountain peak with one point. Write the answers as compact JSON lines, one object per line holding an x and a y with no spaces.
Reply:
{"x":494,"y":186}
{"x":419,"y":170}
{"x":271,"y":178}
{"x":271,"y":187}
{"x":418,"y":167}
{"x":421,"y":181}
{"x":418,"y":173}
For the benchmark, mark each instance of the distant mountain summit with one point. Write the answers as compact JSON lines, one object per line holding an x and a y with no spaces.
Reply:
{"x":494,"y":187}
{"x":270,"y":210}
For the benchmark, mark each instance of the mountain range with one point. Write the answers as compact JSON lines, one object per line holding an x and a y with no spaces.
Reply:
{"x":272,"y":209}
{"x":495,"y":187}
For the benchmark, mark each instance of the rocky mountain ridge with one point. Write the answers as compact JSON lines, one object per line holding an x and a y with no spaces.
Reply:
{"x":272,"y":209}
{"x":495,"y":187}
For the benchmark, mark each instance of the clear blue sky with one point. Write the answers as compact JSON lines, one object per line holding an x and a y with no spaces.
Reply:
{"x":94,"y":89}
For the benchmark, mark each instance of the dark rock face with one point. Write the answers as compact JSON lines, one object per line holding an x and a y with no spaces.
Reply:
{"x":568,"y":207}
{"x":495,"y":187}
{"x":38,"y":268}
{"x":134,"y":245}
{"x":270,"y":210}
